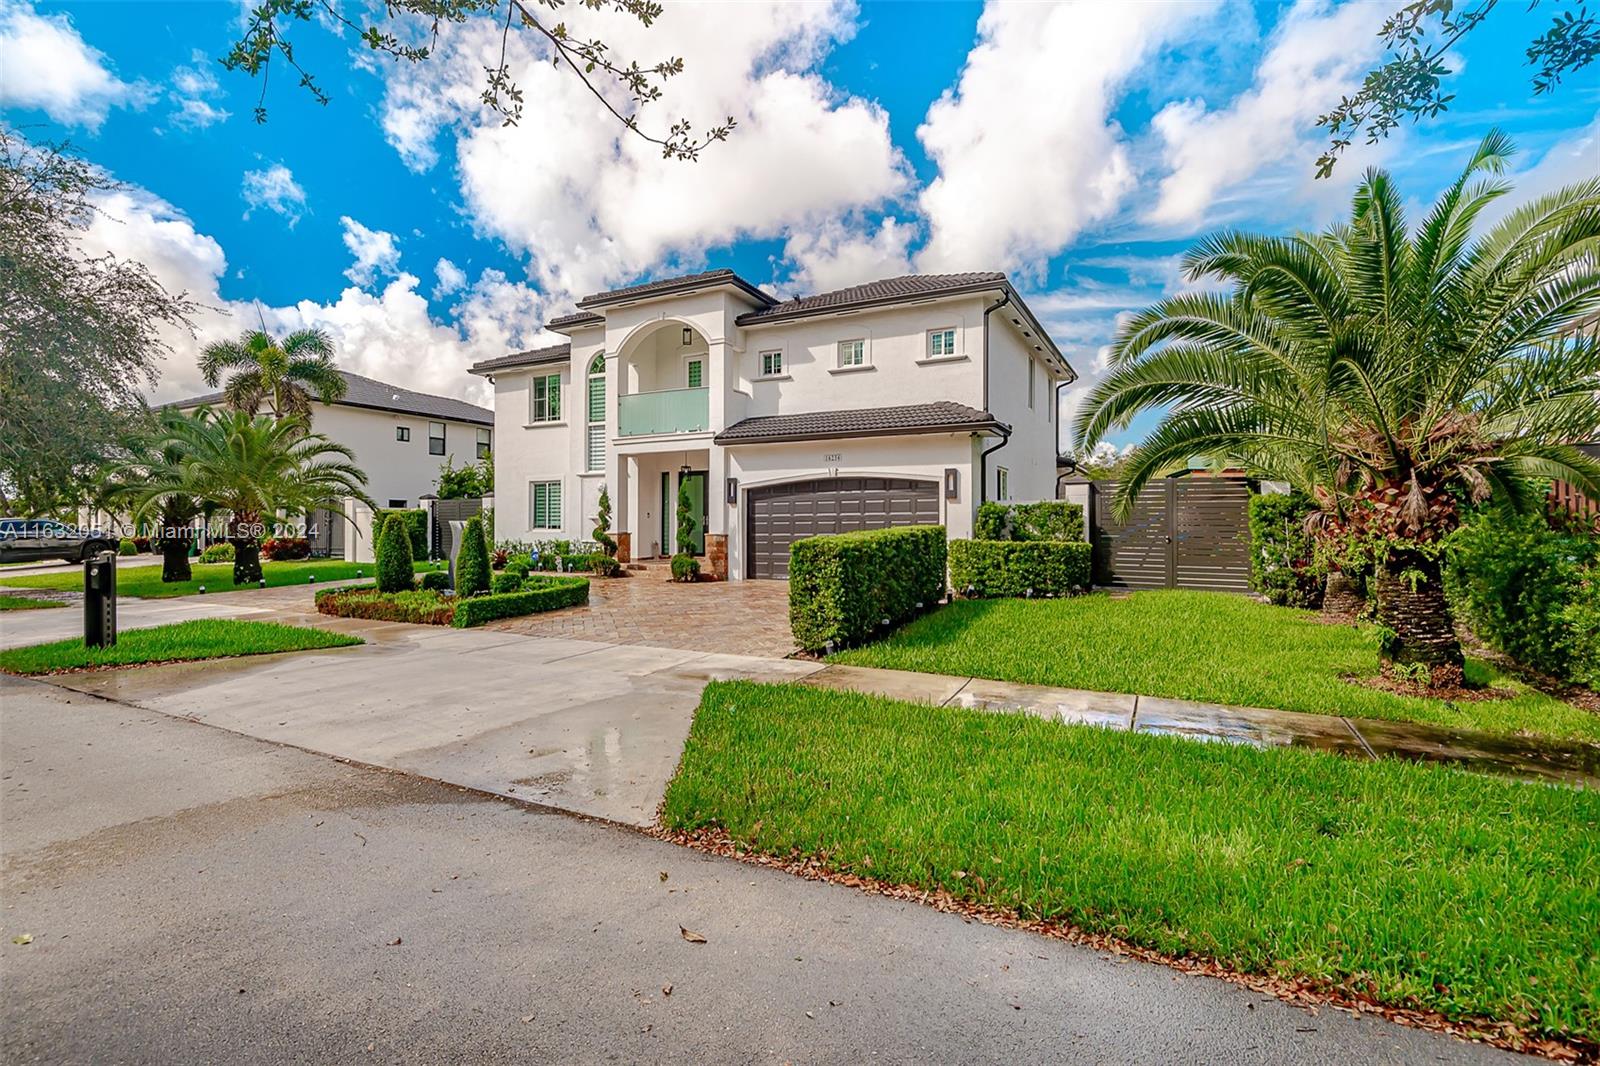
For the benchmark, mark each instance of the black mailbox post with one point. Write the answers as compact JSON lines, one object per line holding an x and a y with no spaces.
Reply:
{"x":100,"y":600}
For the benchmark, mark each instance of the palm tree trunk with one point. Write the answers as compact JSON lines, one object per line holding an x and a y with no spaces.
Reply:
{"x":1341,"y":600}
{"x":175,"y":559}
{"x":1412,"y":607}
{"x":246,"y":550}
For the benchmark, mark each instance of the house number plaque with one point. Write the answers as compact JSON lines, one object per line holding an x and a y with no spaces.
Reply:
{"x":833,"y":457}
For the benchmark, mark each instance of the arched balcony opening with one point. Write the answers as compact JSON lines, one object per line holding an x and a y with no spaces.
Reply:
{"x":665,"y":382}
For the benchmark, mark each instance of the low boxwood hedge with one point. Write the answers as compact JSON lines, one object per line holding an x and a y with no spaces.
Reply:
{"x":1045,"y":520}
{"x":541,"y":593}
{"x":432,"y":607}
{"x":842,"y":587}
{"x":1019,"y":567}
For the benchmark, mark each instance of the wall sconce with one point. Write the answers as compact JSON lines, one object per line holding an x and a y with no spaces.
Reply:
{"x":732,"y":494}
{"x":688,"y":336}
{"x":952,"y":483}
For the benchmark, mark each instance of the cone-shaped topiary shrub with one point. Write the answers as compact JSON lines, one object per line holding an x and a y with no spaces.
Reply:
{"x":472,"y":565}
{"x":394,"y":556}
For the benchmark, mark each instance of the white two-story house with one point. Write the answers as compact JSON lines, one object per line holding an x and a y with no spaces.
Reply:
{"x":909,"y":400}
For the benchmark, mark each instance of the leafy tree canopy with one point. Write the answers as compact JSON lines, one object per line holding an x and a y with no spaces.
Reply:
{"x":284,"y":377}
{"x":80,"y":335}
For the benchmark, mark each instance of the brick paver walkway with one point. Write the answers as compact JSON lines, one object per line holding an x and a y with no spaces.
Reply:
{"x":733,"y":617}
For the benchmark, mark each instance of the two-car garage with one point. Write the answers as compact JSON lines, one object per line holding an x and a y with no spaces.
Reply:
{"x":778,"y":515}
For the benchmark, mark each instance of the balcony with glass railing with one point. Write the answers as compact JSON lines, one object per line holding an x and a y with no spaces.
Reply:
{"x":669,"y":411}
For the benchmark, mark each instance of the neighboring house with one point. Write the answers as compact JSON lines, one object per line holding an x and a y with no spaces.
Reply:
{"x":400,"y":438}
{"x":899,"y":401}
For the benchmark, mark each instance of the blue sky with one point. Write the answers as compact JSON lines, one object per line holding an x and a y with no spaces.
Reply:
{"x":1081,"y":147}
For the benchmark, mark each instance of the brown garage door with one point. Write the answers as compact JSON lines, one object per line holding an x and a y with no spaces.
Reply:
{"x":777,"y":516}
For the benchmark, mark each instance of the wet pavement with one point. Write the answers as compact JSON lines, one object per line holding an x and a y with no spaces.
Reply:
{"x":1569,"y":762}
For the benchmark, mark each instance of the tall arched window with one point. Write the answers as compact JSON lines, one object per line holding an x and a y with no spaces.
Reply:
{"x":595,"y":452}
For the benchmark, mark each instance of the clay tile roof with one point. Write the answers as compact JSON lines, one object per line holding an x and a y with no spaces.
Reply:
{"x":556,"y":353}
{"x":381,"y":396}
{"x":667,"y":286}
{"x":577,"y":318}
{"x":887,"y":291}
{"x":945,"y":416}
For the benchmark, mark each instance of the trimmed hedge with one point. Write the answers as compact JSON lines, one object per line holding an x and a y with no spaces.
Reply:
{"x":416,"y":521}
{"x":432,"y":607}
{"x":507,"y":581}
{"x":218,"y":553}
{"x":983,"y":568}
{"x":395,"y":570}
{"x":127,"y":547}
{"x":436,"y":580}
{"x":1046,"y":520}
{"x":541,"y":593}
{"x":843,"y":586}
{"x":1530,"y":591}
{"x":472,"y":562}
{"x":1282,"y":565}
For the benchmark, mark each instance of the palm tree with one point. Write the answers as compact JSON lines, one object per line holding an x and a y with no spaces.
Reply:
{"x":282,"y":376}
{"x":254,"y":468}
{"x":156,"y":461}
{"x":1397,"y":376}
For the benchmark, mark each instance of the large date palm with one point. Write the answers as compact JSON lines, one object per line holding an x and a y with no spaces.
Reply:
{"x":284,"y":377}
{"x":1396,"y":375}
{"x":253,"y":467}
{"x":154,"y":460}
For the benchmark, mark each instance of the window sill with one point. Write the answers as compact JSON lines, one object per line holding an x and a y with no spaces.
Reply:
{"x":851,"y":369}
{"x":773,"y":377}
{"x":943,"y":359}
{"x":591,"y":473}
{"x":541,"y":425}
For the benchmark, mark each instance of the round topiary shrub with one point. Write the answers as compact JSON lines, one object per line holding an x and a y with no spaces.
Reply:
{"x":472,"y":565}
{"x":685,"y":568}
{"x":436,"y":581}
{"x":506,"y":581}
{"x":127,"y":547}
{"x":604,"y":566}
{"x":218,"y":553}
{"x":394,"y":556}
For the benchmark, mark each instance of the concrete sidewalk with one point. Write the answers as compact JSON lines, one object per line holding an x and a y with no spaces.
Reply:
{"x":1570,"y":762}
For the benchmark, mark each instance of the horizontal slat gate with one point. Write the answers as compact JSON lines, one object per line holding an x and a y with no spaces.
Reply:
{"x":782,"y":514}
{"x":1188,"y":533}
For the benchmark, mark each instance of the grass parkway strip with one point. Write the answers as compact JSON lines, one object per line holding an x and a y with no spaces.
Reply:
{"x":1410,"y":886}
{"x":208,"y":638}
{"x":27,"y":603}
{"x":1206,"y":646}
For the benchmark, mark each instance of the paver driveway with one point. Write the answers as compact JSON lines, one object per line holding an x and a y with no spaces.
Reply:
{"x":730,"y":617}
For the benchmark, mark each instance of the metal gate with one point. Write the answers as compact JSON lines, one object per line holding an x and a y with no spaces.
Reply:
{"x":1184,"y":533}
{"x":779,"y":515}
{"x":325,"y":532}
{"x":446,"y":511}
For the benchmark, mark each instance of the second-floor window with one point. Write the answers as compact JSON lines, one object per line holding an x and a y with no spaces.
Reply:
{"x":402,"y":433}
{"x":1030,"y":384}
{"x":771,"y":364}
{"x":941,"y":343}
{"x":595,"y":442}
{"x":435,"y":438}
{"x":853,"y":353}
{"x":1002,"y":483}
{"x":483,"y":444}
{"x":545,"y":404}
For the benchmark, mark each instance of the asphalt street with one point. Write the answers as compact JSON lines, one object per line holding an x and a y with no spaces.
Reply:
{"x":189,"y":895}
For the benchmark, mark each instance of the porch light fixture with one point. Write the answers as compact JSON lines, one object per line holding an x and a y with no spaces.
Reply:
{"x":952,"y":483}
{"x":688,"y":336}
{"x":732,"y":495}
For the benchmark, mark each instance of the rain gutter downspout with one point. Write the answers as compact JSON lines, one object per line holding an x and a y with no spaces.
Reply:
{"x":1005,"y":434}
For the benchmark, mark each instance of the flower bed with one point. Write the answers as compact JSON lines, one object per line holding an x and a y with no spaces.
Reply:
{"x":424,"y":606}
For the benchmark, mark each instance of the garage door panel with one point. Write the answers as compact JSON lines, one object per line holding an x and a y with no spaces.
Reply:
{"x":782,"y":514}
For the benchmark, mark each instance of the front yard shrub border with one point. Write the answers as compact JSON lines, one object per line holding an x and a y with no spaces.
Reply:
{"x":1282,"y":560}
{"x":984,"y":568}
{"x":1045,"y":520}
{"x":845,"y":588}
{"x":431,"y":607}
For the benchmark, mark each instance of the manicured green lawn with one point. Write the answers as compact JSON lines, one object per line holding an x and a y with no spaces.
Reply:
{"x":207,"y":638}
{"x":1207,"y":646}
{"x":1466,"y":894}
{"x":145,"y":581}
{"x":27,"y":603}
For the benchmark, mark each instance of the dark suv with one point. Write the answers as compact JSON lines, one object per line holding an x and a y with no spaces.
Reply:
{"x":26,"y":540}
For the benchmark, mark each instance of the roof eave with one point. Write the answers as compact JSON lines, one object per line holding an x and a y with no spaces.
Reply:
{"x":988,"y":426}
{"x":734,"y":282}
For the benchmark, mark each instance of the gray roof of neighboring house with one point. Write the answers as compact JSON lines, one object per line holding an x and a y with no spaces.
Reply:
{"x":885,"y":291}
{"x":556,"y":353}
{"x":376,"y":395}
{"x":575,"y":320}
{"x":672,"y":286}
{"x":945,"y":416}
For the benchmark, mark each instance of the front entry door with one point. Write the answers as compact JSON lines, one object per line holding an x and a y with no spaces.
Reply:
{"x":666,"y":513}
{"x":696,"y":480}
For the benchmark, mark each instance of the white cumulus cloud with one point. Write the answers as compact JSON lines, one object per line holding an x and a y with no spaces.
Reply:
{"x":448,"y":277}
{"x":275,"y":189}
{"x":45,"y":64}
{"x":377,"y":253}
{"x":193,"y":89}
{"x":1028,"y":153}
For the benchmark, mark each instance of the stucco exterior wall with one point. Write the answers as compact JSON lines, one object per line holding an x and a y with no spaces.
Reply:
{"x":395,"y":469}
{"x":1030,"y":456}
